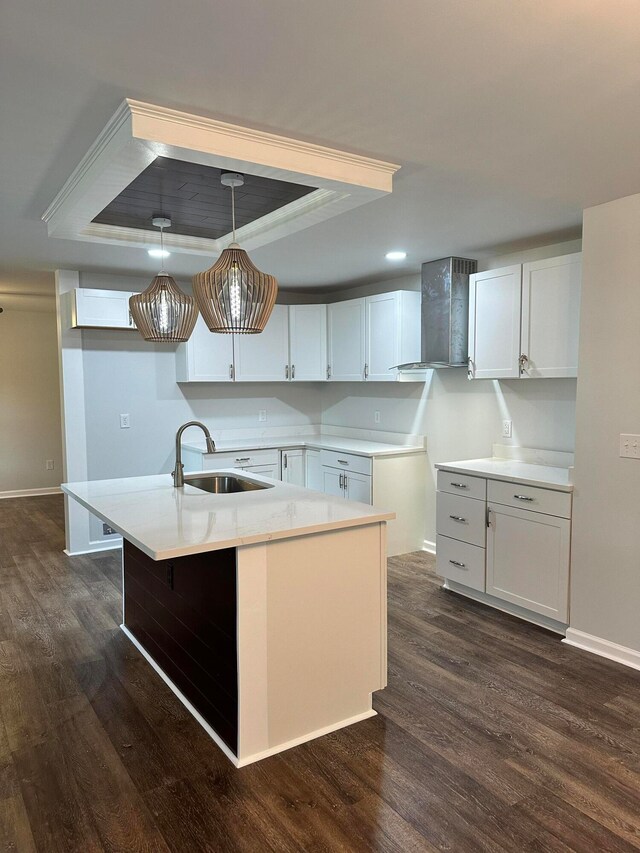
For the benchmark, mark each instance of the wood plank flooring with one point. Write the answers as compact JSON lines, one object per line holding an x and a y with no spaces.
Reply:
{"x":492,"y":735}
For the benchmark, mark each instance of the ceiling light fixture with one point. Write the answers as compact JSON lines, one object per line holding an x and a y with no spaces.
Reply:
{"x":233,"y":296}
{"x":162,"y":312}
{"x":396,"y":255}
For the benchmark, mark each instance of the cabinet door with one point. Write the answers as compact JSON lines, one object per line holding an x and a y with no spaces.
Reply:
{"x":551,"y":316}
{"x":494,"y":323}
{"x":392,"y":333}
{"x":107,"y":309}
{"x":357,"y":487}
{"x":332,"y":482}
{"x":528,"y":560}
{"x":347,"y":340}
{"x":313,"y":470}
{"x":205,"y":357}
{"x":293,"y":468}
{"x":265,"y":357}
{"x":308,"y":342}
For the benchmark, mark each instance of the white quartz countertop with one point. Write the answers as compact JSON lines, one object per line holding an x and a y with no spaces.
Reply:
{"x":514,"y":471}
{"x":165,"y":522}
{"x":360,"y":447}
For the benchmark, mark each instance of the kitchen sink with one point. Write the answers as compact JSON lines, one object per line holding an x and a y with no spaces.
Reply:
{"x":224,"y":484}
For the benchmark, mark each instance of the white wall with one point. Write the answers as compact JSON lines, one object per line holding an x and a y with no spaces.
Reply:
{"x":29,"y":398}
{"x":605,"y":569}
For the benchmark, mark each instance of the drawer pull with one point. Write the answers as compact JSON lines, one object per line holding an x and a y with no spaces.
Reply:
{"x":457,"y":518}
{"x":523,"y":498}
{"x":343,"y":461}
{"x":458,"y":564}
{"x":460,"y":485}
{"x":243,"y":458}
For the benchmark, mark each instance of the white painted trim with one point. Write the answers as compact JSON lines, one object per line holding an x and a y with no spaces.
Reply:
{"x":603,"y":648}
{"x":192,"y":710}
{"x":506,"y":607}
{"x":30,"y":493}
{"x":281,"y":747}
{"x":429,"y":546}
{"x":138,"y":132}
{"x":99,"y":546}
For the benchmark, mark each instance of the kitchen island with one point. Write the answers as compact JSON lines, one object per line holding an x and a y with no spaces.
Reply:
{"x":263,"y":610}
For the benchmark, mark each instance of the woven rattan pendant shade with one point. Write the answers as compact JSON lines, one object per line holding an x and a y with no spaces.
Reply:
{"x":162,"y":312}
{"x":233,"y":296}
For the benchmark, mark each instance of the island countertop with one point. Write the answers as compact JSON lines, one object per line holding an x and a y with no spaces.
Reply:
{"x":165,"y":522}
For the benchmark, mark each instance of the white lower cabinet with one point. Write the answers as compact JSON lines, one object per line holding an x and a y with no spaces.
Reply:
{"x":349,"y":485}
{"x":313,"y":469}
{"x":264,"y":462}
{"x":292,"y":466}
{"x":528,"y":560}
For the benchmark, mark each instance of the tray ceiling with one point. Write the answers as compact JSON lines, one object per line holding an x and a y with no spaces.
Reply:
{"x":192,"y":196}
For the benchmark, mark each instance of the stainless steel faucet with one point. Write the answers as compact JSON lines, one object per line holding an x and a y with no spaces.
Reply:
{"x":178,"y":472}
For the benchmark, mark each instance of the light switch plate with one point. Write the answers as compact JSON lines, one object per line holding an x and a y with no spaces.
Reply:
{"x":630,"y":446}
{"x":125,"y":422}
{"x":507,"y":428}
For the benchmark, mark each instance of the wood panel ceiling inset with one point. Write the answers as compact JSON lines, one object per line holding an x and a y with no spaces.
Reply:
{"x":195,"y":200}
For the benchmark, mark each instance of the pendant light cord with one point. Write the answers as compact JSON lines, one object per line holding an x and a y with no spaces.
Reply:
{"x":161,"y":250}
{"x":233,"y":211}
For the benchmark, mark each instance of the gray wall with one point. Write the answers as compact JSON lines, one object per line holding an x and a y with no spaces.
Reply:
{"x":605,"y":570}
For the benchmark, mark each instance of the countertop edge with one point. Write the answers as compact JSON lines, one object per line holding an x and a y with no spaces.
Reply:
{"x":505,"y":478}
{"x":313,"y":444}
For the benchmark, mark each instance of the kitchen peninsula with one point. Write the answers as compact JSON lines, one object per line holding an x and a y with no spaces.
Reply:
{"x":263,"y":609}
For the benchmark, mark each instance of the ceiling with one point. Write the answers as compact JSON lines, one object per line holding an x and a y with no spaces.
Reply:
{"x":507,"y":118}
{"x":192,"y":196}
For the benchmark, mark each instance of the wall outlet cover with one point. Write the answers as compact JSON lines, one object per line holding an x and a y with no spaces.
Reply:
{"x":49,"y":465}
{"x":376,"y":417}
{"x":507,"y":428}
{"x":630,"y":446}
{"x":125,"y":421}
{"x":262,"y":415}
{"x":108,"y":531}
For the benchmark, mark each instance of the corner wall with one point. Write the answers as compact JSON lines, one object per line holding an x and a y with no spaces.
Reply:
{"x":29,"y":399}
{"x":605,"y":568}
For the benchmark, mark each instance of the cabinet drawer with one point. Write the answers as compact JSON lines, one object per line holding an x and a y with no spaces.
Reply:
{"x":346,"y":461}
{"x":530,"y":497}
{"x":241,"y":459}
{"x":461,"y":484}
{"x":460,"y":562}
{"x":461,"y":518}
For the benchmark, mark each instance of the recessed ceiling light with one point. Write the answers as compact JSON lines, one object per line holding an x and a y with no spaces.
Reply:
{"x":158,"y":253}
{"x":396,"y":255}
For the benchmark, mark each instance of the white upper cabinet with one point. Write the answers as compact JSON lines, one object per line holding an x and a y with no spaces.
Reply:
{"x":308,"y":343}
{"x":101,"y":309}
{"x":347,"y":340}
{"x":524,"y":320}
{"x":265,"y":357}
{"x":392,"y":333}
{"x":205,"y":357}
{"x":551,"y":317}
{"x":494,"y":323}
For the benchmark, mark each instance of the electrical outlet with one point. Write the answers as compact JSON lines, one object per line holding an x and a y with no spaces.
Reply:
{"x":49,"y":465}
{"x":262,"y":415}
{"x":376,"y":417}
{"x":507,"y":428}
{"x":630,"y":446}
{"x":108,"y":531}
{"x":125,"y":422}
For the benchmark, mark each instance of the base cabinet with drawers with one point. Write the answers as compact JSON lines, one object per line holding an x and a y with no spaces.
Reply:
{"x":507,"y":540}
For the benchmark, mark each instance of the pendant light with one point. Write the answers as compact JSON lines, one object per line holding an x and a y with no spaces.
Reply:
{"x":162,"y":312}
{"x":233,"y":296}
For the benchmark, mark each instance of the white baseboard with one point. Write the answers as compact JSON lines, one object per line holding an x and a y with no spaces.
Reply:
{"x":429,"y":547}
{"x":99,"y":546}
{"x":30,"y":493}
{"x":603,"y":648}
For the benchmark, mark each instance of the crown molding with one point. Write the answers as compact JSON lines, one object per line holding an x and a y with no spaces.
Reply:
{"x":138,"y":132}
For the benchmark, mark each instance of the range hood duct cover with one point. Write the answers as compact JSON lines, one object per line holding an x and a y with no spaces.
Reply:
{"x":445,"y":313}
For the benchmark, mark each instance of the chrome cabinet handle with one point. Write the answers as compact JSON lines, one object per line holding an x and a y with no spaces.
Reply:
{"x":243,"y":458}
{"x":459,"y":565}
{"x":459,"y":485}
{"x":523,"y":498}
{"x":344,"y":480}
{"x":523,"y":361}
{"x":286,"y":371}
{"x":457,"y":518}
{"x":284,"y":459}
{"x":293,"y":371}
{"x":366,"y":371}
{"x":340,"y":480}
{"x":343,"y":461}
{"x":328,"y":371}
{"x":470,"y":370}
{"x":131,"y":323}
{"x":230,"y":371}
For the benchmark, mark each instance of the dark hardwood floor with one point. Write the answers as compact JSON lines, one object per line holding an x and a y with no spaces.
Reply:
{"x":491,"y":736}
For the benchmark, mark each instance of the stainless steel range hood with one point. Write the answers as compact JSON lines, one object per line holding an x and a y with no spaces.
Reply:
{"x":445,"y":314}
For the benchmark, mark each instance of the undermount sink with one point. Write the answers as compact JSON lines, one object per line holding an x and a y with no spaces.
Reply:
{"x":224,"y":484}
